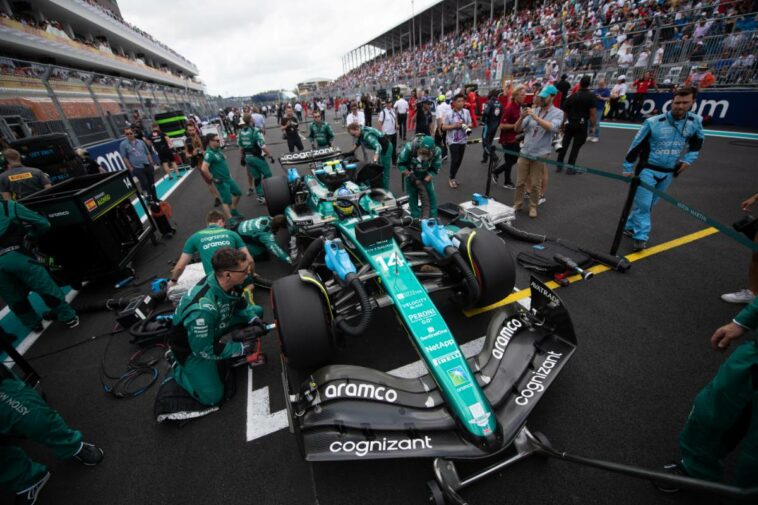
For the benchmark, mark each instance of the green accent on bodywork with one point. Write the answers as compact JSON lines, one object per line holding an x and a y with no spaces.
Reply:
{"x":172,"y":119}
{"x":429,"y":333}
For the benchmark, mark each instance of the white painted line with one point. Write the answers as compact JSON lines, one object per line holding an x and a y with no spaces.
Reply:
{"x":261,"y":422}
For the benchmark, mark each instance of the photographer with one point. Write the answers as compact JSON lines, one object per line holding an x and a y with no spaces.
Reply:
{"x":457,"y":124}
{"x":290,"y":129}
{"x":539,"y":126}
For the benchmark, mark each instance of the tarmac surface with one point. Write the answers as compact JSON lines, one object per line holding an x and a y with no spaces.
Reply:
{"x":643,"y":354}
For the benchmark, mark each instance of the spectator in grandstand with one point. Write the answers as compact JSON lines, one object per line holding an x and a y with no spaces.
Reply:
{"x":539,"y":125}
{"x":580,"y":113}
{"x":740,"y":68}
{"x":641,"y":85}
{"x":457,"y":125}
{"x":700,"y":78}
{"x":388,"y":122}
{"x":355,"y":115}
{"x":401,"y":107}
{"x":747,"y":295}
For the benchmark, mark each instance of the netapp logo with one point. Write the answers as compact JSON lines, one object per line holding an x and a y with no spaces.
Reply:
{"x":504,"y":337}
{"x":538,"y":377}
{"x":440,"y":345}
{"x":371,"y":391}
{"x":364,"y":447}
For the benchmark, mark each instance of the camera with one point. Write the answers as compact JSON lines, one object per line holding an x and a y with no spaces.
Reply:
{"x":558,"y":142}
{"x":467,"y":129}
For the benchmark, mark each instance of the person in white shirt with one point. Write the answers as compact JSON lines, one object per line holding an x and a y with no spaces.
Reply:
{"x":401,"y":107}
{"x":388,"y":126}
{"x":299,"y":111}
{"x":618,"y":97}
{"x":440,"y":138}
{"x":642,"y":59}
{"x":355,"y":115}
{"x":658,"y":57}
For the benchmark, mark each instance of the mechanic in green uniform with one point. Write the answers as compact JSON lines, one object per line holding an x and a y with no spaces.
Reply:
{"x":376,"y":141}
{"x":724,"y":411}
{"x":24,"y":414}
{"x":214,"y":307}
{"x":215,"y":168}
{"x":259,"y":235}
{"x":205,"y":243}
{"x":320,"y":134}
{"x":20,"y":272}
{"x":252,"y":146}
{"x":419,"y":160}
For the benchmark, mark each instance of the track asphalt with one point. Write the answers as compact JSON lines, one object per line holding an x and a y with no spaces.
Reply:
{"x":643,"y":354}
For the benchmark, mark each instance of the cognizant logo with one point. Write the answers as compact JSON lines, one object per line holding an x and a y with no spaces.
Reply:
{"x":365,"y":447}
{"x":353,"y":390}
{"x":538,"y":377}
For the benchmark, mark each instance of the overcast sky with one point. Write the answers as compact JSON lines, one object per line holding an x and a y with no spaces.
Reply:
{"x":242,"y":47}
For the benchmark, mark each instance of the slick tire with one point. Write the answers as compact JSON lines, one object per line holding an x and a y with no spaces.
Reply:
{"x":277,"y":193}
{"x":302,"y":323}
{"x":493,"y":266}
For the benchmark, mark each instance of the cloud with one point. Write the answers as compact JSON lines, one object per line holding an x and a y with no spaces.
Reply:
{"x":248,"y":46}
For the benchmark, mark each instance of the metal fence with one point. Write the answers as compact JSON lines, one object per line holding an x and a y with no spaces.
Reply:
{"x":672,"y":53}
{"x":37,"y":99}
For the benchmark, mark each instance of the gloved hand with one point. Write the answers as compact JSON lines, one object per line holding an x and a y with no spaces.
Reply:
{"x":258,"y":326}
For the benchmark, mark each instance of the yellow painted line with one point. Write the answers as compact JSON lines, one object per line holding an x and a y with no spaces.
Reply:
{"x":598,"y":269}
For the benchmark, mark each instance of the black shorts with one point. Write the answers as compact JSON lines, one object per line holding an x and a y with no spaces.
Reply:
{"x":166,"y":156}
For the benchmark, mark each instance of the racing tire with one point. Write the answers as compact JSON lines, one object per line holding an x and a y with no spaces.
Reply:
{"x":493,"y":266}
{"x":302,"y":323}
{"x":277,"y":193}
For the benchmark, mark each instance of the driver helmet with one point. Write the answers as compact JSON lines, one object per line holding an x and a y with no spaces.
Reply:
{"x":343,"y":205}
{"x":425,"y":149}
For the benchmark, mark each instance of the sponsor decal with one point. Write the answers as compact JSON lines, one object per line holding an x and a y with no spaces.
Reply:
{"x":20,"y":177}
{"x":424,"y":314}
{"x":547,"y":294}
{"x":102,"y":198}
{"x":59,"y":214}
{"x":364,"y":447}
{"x":538,"y":377}
{"x":506,"y":333}
{"x":219,"y":243}
{"x":458,"y":375}
{"x":368,"y":391}
{"x":15,"y":404}
{"x":446,"y":357}
{"x":481,"y":417}
{"x":90,"y":204}
{"x":440,"y":345}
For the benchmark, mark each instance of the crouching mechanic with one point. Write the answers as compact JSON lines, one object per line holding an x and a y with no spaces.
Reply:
{"x":660,"y":146}
{"x":376,"y":141}
{"x":724,"y":412}
{"x":217,"y":305}
{"x":252,"y":147}
{"x":259,"y":234}
{"x":24,"y":414}
{"x":419,"y":160}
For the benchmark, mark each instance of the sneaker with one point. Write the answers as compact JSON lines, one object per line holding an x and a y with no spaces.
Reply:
{"x":628,"y":233}
{"x":72,"y":323}
{"x":639,"y":245}
{"x":532,"y":212}
{"x":261,"y":200}
{"x":444,"y":158}
{"x":593,"y":139}
{"x":89,"y":455}
{"x":673,"y":468}
{"x":29,"y":495}
{"x":741,"y":296}
{"x":494,"y":179}
{"x":217,"y":203}
{"x":508,"y":185}
{"x":251,"y":192}
{"x":541,"y":200}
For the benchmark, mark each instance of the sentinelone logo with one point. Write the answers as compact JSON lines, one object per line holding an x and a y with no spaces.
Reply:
{"x":365,"y":447}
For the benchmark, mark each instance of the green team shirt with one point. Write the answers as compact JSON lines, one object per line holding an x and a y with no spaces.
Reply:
{"x":216,"y":161}
{"x":370,"y":138}
{"x":15,"y":213}
{"x":248,"y":138}
{"x":322,"y":134}
{"x":408,"y":160}
{"x":207,"y":241}
{"x":258,"y":237}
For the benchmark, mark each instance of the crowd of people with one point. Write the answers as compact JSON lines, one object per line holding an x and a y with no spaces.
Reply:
{"x":545,"y":38}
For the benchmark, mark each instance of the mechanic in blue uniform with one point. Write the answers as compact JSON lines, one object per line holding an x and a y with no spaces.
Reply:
{"x":376,"y":141}
{"x":660,"y":146}
{"x":724,"y":412}
{"x":219,"y":303}
{"x":25,"y":414}
{"x":20,"y":272}
{"x":259,"y":235}
{"x":420,"y":160}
